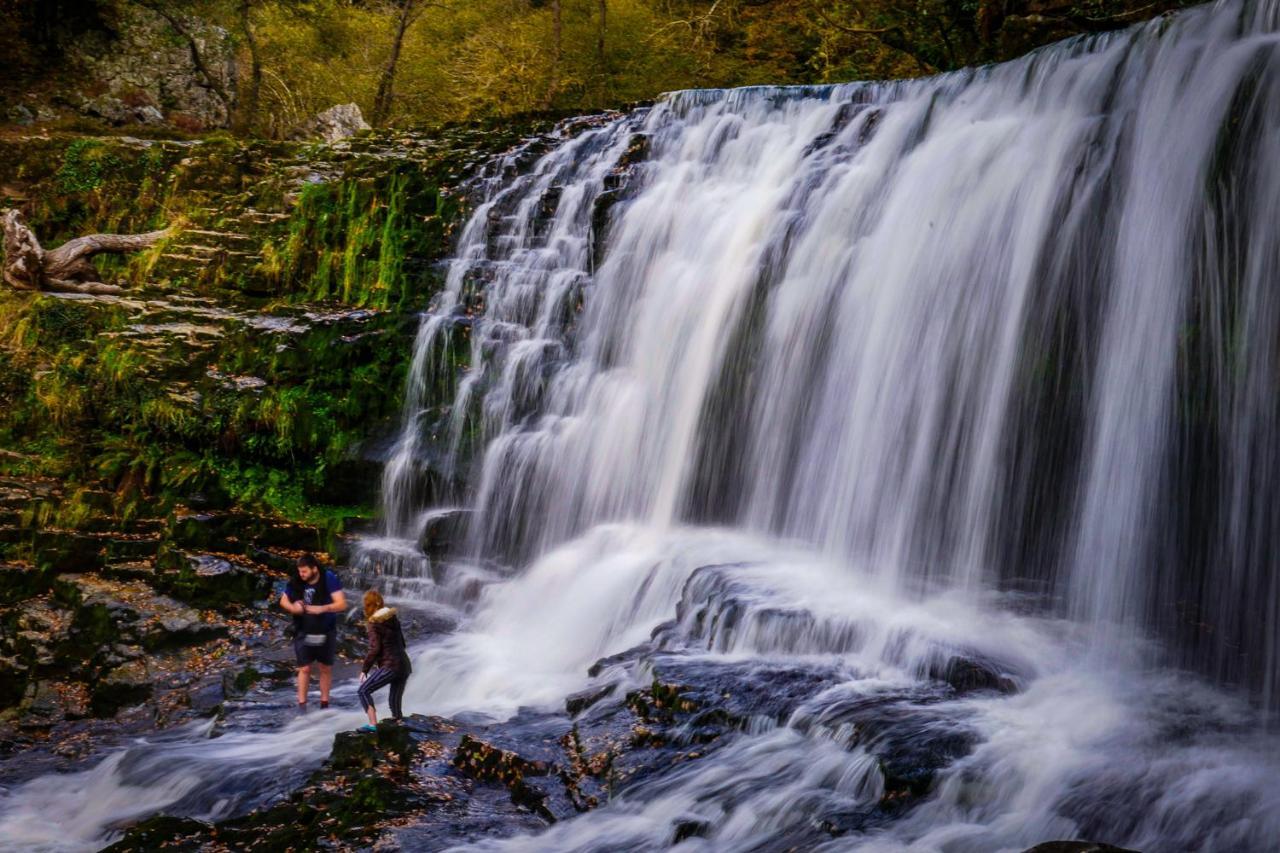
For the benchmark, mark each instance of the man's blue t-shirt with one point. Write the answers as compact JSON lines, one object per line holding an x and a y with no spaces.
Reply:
{"x":328,"y":620}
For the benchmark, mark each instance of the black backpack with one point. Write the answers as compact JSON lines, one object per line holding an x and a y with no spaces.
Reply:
{"x":310,"y":623}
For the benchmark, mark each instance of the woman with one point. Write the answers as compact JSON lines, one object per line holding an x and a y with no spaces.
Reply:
{"x":387,"y":662}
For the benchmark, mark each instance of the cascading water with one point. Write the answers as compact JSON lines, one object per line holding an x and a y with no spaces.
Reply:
{"x":1007,"y":328}
{"x":858,"y":381}
{"x":853,"y":371}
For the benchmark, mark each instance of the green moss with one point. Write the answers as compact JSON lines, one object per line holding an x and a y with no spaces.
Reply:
{"x":85,"y":165}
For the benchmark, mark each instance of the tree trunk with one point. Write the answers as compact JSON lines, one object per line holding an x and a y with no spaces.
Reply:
{"x":386,"y":83}
{"x":557,"y":53}
{"x":603,"y":5}
{"x":66,"y":269}
{"x":249,"y":112}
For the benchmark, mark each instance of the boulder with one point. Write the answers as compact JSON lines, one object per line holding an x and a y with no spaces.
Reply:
{"x":334,"y":124}
{"x":68,"y":551}
{"x":443,"y":531}
{"x":131,"y":611}
{"x":21,"y":115}
{"x":21,"y":581}
{"x":50,"y":702}
{"x":127,"y":684}
{"x":43,"y":630}
{"x":117,"y":112}
{"x":969,"y":674}
{"x":13,"y":680}
{"x":209,"y":580}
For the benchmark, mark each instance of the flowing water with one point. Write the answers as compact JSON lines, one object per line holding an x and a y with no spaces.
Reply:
{"x":868,"y":377}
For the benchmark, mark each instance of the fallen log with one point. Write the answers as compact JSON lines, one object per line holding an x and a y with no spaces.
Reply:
{"x":68,"y":268}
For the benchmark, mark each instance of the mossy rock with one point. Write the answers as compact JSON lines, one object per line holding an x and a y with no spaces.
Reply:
{"x":365,"y":750}
{"x":68,"y":551}
{"x":207,"y":580}
{"x":162,"y":831}
{"x":128,"y":684}
{"x":20,"y":581}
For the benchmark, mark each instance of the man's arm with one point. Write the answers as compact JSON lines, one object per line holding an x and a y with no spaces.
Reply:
{"x":290,"y":606}
{"x":339,"y":604}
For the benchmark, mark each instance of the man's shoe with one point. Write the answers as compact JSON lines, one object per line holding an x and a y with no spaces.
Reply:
{"x":367,"y":727}
{"x":324,"y":703}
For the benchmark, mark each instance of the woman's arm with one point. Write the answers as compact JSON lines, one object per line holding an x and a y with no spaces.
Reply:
{"x":375,"y":647}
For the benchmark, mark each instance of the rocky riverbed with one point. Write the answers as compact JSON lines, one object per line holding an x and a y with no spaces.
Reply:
{"x":431,"y":783}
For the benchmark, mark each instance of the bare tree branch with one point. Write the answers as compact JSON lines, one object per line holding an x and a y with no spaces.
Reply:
{"x":66,"y":269}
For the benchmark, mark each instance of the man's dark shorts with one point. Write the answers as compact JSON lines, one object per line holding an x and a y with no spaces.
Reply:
{"x":324,"y":653}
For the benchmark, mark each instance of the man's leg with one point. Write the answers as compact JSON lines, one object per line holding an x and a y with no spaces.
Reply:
{"x":304,"y":676}
{"x":326,"y":679}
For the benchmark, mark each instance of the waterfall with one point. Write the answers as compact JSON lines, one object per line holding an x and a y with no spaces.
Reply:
{"x":848,"y":383}
{"x":1011,"y":328}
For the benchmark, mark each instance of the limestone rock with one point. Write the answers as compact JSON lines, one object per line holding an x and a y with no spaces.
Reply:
{"x":117,"y":112}
{"x":334,"y":124}
{"x":20,"y":114}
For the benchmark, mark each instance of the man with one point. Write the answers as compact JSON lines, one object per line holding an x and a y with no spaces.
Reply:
{"x":315,"y":599}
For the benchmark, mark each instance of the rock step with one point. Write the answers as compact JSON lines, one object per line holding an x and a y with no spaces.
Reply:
{"x":259,"y":217}
{"x":231,"y":236}
{"x":216,"y":251}
{"x":130,"y":570}
{"x":191,"y":259}
{"x":19,"y":581}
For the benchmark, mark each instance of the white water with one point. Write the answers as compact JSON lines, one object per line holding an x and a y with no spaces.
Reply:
{"x":977,"y":365}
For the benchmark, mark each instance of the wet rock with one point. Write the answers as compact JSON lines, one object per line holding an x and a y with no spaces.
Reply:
{"x":444,"y":531}
{"x":911,"y":734}
{"x":300,"y":537}
{"x":334,"y":124}
{"x":127,"y":684}
{"x":160,"y":831}
{"x":967,"y":675}
{"x":686,"y":829}
{"x":1076,"y":847}
{"x":365,"y":750}
{"x":584,"y":699}
{"x":486,"y":763}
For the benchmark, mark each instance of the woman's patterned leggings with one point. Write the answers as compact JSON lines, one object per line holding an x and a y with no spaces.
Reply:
{"x":378,"y":678}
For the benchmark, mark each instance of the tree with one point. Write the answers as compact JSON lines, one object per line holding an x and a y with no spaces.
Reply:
{"x":66,"y":269}
{"x":407,"y":12}
{"x":557,"y":53}
{"x":253,"y":97}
